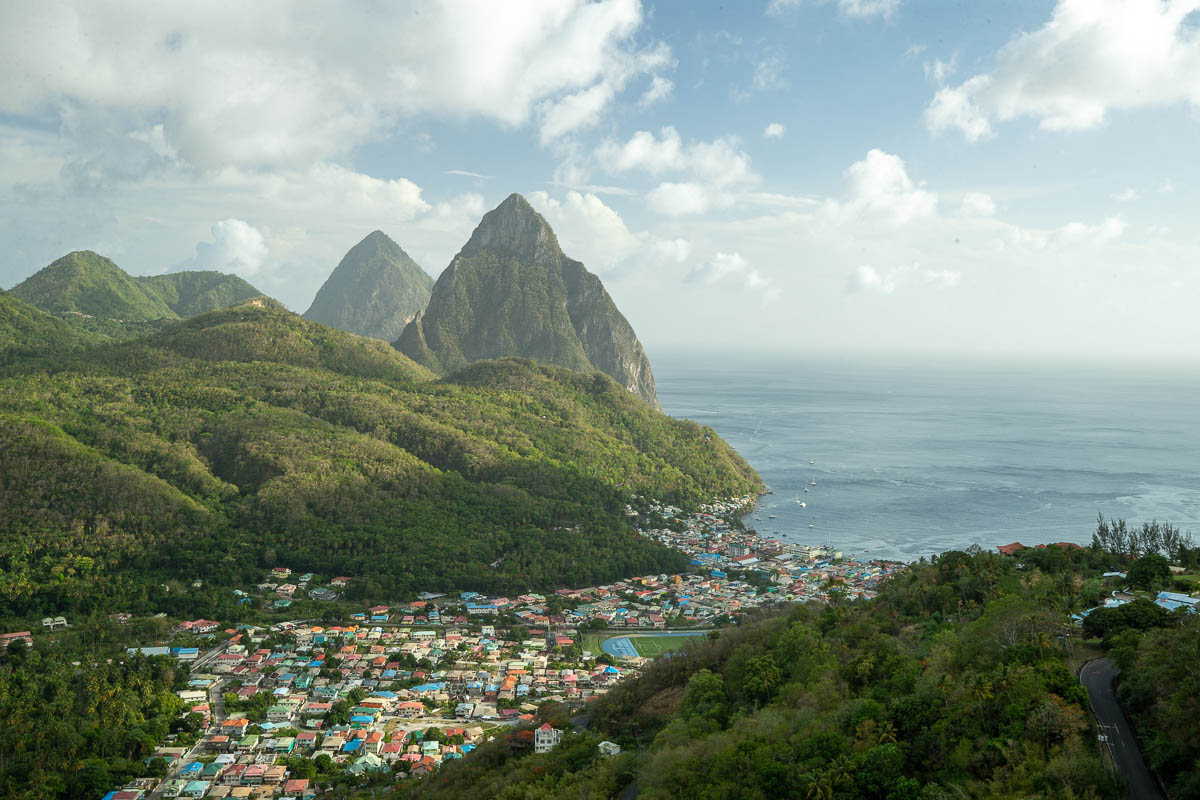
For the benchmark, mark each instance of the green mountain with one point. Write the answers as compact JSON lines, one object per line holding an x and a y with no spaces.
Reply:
{"x":25,"y":330}
{"x":375,"y":290}
{"x":512,"y":292}
{"x":193,"y":292}
{"x":243,"y":438}
{"x":85,"y":283}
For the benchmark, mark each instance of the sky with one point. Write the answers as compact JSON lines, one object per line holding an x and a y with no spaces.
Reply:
{"x":872,"y":178}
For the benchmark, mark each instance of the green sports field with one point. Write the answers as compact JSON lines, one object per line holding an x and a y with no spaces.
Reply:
{"x":647,"y":646}
{"x":651,"y":646}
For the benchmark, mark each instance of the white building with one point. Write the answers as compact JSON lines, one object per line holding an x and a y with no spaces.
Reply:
{"x":609,"y":749}
{"x":546,"y":738}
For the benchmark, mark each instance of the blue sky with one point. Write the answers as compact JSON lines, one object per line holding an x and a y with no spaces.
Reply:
{"x":870,"y":177}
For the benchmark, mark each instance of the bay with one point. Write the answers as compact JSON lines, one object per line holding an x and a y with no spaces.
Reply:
{"x":911,"y":459}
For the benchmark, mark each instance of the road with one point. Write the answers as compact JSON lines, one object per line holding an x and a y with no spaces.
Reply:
{"x":216,"y":705}
{"x":1097,"y":677}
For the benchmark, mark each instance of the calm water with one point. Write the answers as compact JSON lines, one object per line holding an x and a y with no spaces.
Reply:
{"x":912,"y":460}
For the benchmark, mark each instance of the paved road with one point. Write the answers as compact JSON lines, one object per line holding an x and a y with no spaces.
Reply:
{"x":1097,"y":676}
{"x":216,"y":705}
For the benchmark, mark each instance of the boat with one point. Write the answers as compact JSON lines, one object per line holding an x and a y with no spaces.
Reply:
{"x":770,"y":516}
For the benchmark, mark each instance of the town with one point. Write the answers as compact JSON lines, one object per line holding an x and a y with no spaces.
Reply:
{"x":275,"y":710}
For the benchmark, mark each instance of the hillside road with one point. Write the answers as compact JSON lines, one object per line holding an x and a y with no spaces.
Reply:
{"x":1097,"y":677}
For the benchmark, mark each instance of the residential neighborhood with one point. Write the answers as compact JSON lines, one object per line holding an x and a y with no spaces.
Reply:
{"x":395,"y":690}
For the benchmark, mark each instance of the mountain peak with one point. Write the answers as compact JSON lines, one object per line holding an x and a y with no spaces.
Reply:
{"x":512,"y":292}
{"x":374,"y":291}
{"x":515,"y":227}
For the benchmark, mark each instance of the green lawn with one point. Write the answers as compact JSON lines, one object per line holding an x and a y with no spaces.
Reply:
{"x":591,"y":641}
{"x":651,"y":646}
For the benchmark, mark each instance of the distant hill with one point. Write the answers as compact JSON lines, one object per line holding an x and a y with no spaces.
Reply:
{"x":243,"y":438}
{"x":375,"y":290}
{"x":86,"y":283}
{"x":195,"y":292}
{"x":25,"y":330}
{"x":512,"y":292}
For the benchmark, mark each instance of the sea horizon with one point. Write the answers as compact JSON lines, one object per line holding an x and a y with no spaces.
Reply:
{"x":914,"y":457}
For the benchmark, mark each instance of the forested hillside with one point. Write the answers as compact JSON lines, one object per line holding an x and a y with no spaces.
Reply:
{"x":88,"y":285}
{"x":247,"y":438}
{"x":75,"y":731}
{"x":952,"y":684}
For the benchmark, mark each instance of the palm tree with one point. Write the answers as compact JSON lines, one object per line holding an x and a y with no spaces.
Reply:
{"x":945,"y":685}
{"x":817,"y":786}
{"x":981,"y":689}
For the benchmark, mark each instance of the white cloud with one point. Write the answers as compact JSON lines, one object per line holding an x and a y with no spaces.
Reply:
{"x":1105,"y":232}
{"x":721,"y":266}
{"x":679,"y":199}
{"x":868,"y":279}
{"x":942,"y":278}
{"x":939,"y":71}
{"x":587,"y":229}
{"x":659,"y":90}
{"x":1090,"y":58}
{"x":236,"y":247}
{"x":730,"y":266}
{"x":868,"y":9}
{"x":768,"y":73}
{"x":853,"y":9}
{"x":977,"y":204}
{"x":773,"y":131}
{"x":573,"y":112}
{"x":1125,"y":195}
{"x":673,"y":250}
{"x":277,"y":83}
{"x":462,"y":173}
{"x":879,"y":188}
{"x":720,"y":162}
{"x":323,"y":184}
{"x":710,"y":170}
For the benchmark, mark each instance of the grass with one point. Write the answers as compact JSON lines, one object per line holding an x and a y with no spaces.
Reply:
{"x":592,"y":641}
{"x":652,"y":646}
{"x":647,"y":646}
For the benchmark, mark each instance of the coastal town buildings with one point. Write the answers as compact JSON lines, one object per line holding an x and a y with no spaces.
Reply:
{"x":406,"y":687}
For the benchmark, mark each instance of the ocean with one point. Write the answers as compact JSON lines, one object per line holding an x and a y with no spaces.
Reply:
{"x":910,"y":460}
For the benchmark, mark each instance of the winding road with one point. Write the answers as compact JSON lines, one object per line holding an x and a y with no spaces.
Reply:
{"x":1097,"y":677}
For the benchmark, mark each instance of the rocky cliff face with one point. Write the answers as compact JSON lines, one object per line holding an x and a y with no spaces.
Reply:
{"x":512,"y":292}
{"x":375,"y":290}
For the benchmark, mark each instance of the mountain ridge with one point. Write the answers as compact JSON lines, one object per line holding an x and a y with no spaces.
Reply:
{"x":249,"y":435}
{"x":86,"y":283}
